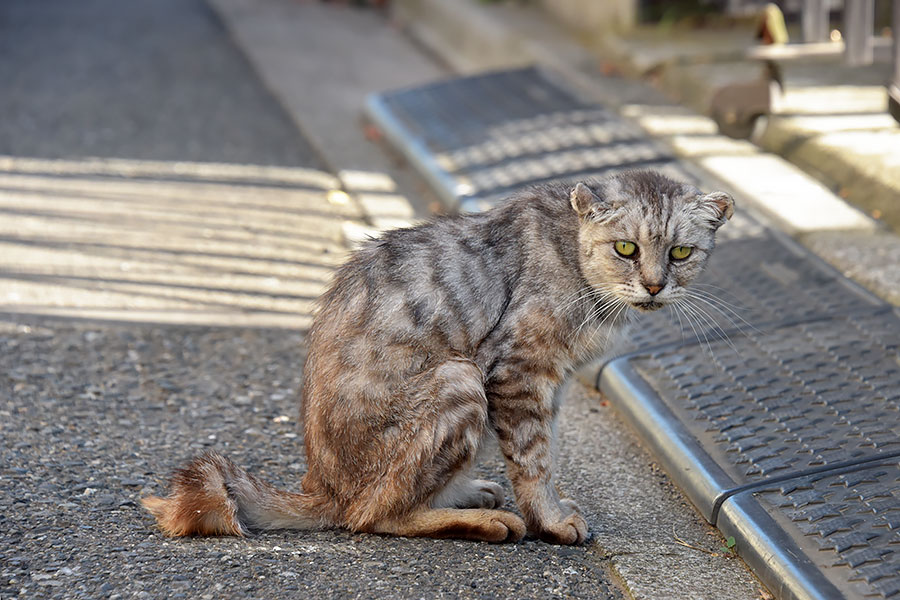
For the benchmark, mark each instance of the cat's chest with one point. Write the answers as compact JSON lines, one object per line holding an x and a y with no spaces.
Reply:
{"x":543,"y":335}
{"x":595,"y":339}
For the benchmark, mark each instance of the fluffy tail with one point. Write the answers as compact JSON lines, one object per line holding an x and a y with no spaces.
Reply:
{"x":213,"y":496}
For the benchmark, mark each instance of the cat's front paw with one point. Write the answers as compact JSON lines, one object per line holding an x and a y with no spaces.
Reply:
{"x":571,"y":530}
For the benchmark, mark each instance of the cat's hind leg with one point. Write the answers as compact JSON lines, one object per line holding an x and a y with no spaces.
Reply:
{"x":439,"y":438}
{"x":466,"y":523}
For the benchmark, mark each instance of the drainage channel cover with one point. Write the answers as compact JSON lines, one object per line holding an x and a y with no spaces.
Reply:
{"x":836,"y":534}
{"x":777,"y":404}
{"x":479,"y":138}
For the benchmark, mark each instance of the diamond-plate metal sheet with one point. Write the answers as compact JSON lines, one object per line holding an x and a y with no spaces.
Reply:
{"x":763,"y":430}
{"x":801,"y":397}
{"x":479,"y":138}
{"x":805,"y":396}
{"x":847,"y":525}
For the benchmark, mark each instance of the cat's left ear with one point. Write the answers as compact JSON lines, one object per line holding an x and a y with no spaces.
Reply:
{"x":583,"y":199}
{"x":717,"y":207}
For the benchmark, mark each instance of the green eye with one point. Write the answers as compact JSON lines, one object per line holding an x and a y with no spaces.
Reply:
{"x":681,"y":252}
{"x":625,"y":248}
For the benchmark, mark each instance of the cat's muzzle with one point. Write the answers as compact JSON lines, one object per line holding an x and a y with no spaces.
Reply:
{"x":648,"y":306}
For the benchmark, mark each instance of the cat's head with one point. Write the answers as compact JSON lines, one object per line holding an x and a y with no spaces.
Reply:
{"x":644,"y":237}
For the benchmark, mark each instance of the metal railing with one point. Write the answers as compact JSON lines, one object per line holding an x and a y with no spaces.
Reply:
{"x":860,"y":45}
{"x":860,"y":42}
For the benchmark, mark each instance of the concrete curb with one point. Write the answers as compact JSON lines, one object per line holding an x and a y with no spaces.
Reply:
{"x":868,"y":184}
{"x":467,"y":37}
{"x":802,"y":205}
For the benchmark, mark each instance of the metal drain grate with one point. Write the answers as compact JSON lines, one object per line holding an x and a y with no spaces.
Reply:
{"x":479,"y":138}
{"x":774,"y":436}
{"x":846,"y":526}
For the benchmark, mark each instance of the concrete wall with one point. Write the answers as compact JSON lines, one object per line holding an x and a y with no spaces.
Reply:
{"x":593,"y":15}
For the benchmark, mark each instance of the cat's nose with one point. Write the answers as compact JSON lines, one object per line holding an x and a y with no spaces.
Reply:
{"x":653,"y":289}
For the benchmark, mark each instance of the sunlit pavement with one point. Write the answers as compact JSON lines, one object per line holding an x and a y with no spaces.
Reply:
{"x":196,"y":243}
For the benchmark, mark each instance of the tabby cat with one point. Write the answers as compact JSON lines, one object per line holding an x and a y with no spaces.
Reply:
{"x":432,"y":338}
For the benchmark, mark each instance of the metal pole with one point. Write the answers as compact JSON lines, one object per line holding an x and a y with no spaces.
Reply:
{"x":895,"y":32}
{"x":859,"y":23}
{"x":894,"y":85}
{"x":814,"y":20}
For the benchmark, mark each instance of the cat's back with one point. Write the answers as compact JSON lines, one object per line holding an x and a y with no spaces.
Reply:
{"x":461,"y":242}
{"x":416,"y":297}
{"x":449,"y":276}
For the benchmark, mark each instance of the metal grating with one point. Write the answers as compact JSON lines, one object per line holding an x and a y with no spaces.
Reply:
{"x":848,"y":525}
{"x":774,"y":436}
{"x":801,"y":397}
{"x":480,"y":138}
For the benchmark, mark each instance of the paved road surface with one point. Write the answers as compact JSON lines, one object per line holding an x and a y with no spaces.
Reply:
{"x":95,"y":414}
{"x":151,"y":308}
{"x":99,"y":412}
{"x":154,"y":80}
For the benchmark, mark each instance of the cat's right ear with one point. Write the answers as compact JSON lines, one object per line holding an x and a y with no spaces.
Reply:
{"x":582,"y":199}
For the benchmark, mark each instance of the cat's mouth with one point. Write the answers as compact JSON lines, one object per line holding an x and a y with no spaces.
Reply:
{"x":647,"y":306}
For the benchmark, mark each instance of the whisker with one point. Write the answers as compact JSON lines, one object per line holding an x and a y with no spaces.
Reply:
{"x":610,"y":308}
{"x":612,"y":323}
{"x":674,"y":309}
{"x":592,"y":296}
{"x":692,"y":318}
{"x":709,"y":294}
{"x":710,"y":285}
{"x":596,"y":312}
{"x":590,"y":314}
{"x":712,"y":306}
{"x":575,"y":297}
{"x":715,"y":327}
{"x":680,"y":307}
{"x":580,"y":295}
{"x":724,"y":310}
{"x":736,"y":304}
{"x":705,"y":328}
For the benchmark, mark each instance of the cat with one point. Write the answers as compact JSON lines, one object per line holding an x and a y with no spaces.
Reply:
{"x":434,"y":337}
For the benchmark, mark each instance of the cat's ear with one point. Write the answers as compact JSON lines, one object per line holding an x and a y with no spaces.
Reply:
{"x":582,"y":199}
{"x":717,"y":207}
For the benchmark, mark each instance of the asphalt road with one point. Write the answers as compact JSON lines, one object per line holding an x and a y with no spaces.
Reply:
{"x":147,"y":79}
{"x":95,"y":415}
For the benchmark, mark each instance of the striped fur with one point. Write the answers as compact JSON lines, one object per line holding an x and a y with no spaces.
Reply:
{"x":434,"y":337}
